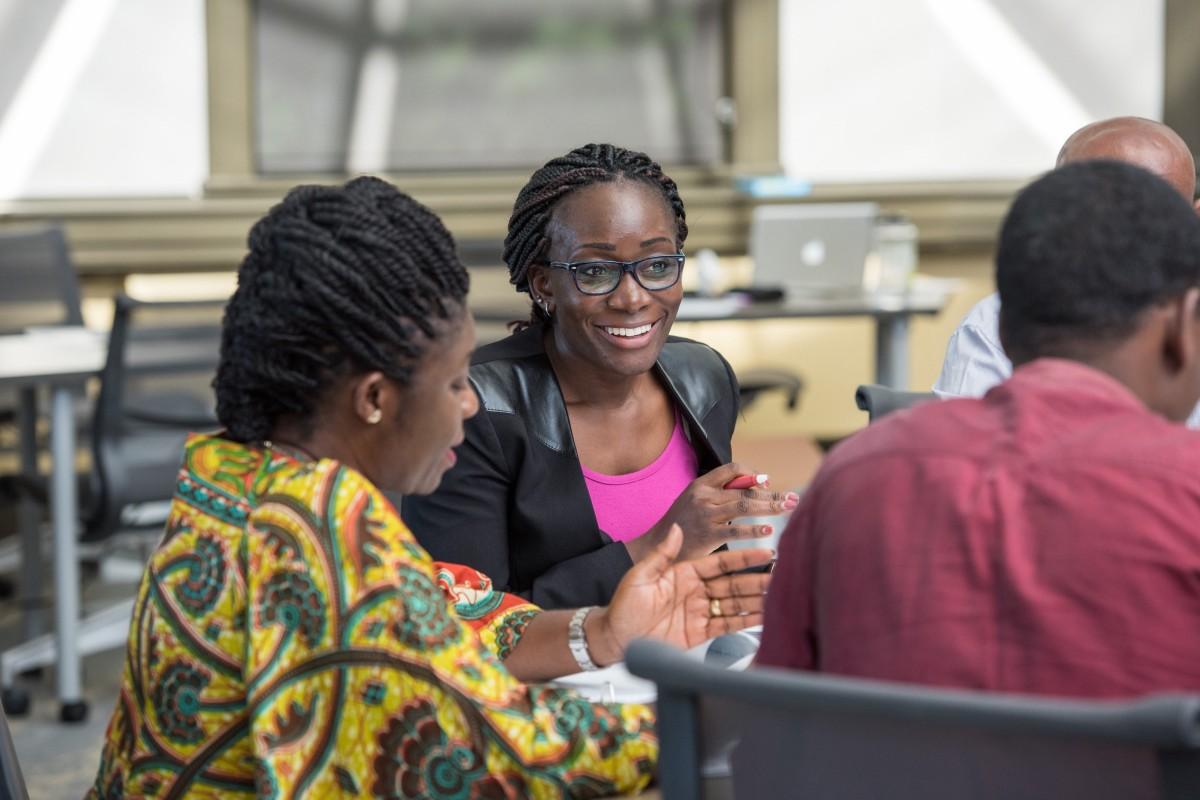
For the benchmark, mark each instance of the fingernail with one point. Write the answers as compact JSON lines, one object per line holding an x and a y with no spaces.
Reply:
{"x":767,"y":530}
{"x":761,"y":480}
{"x":792,"y":497}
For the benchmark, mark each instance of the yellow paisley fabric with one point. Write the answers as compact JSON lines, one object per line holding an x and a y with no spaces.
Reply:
{"x":291,"y":639}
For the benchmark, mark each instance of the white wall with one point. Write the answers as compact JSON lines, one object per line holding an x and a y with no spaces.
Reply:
{"x":944,"y":89}
{"x":111,"y":101}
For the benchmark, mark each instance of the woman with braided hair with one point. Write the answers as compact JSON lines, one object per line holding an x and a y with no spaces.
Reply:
{"x":599,"y":430}
{"x":290,"y":638}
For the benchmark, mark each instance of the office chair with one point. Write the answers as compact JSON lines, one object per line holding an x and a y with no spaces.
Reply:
{"x":155,"y":389}
{"x":754,"y":382}
{"x":879,"y":401}
{"x":40,"y":286}
{"x":774,"y":733}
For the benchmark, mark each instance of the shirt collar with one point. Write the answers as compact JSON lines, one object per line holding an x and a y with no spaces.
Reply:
{"x":1074,"y":379}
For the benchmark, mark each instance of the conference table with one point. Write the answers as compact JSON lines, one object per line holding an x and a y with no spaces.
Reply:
{"x":891,"y":311}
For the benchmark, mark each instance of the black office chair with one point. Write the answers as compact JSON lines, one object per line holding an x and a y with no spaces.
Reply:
{"x":773,"y":733}
{"x":12,"y":782}
{"x":155,"y":389}
{"x":38,"y":280}
{"x":753,"y":382}
{"x":879,"y":401}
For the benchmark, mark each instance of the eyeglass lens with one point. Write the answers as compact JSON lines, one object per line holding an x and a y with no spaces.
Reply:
{"x":600,"y":277}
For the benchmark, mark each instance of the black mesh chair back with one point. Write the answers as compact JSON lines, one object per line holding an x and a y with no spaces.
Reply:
{"x":773,"y":733}
{"x":155,"y":389}
{"x":38,"y":285}
{"x":879,"y":401}
{"x":12,"y":782}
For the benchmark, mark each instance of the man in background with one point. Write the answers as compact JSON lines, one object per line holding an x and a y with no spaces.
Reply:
{"x":1044,"y":538}
{"x":974,"y":361}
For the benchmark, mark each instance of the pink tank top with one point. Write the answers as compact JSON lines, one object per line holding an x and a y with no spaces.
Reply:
{"x":628,"y":505}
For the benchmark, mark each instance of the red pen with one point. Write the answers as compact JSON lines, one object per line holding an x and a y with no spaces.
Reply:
{"x":746,"y":482}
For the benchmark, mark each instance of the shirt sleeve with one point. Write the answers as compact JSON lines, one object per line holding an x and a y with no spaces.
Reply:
{"x":974,"y":363}
{"x":498,"y":618}
{"x":361,"y":680}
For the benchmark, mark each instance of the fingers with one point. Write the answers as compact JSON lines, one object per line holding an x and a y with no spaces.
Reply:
{"x":744,"y":585}
{"x":738,"y":605}
{"x":725,"y":473}
{"x":759,"y":503}
{"x":729,"y":533}
{"x":721,"y":625}
{"x":726,"y":561}
{"x":669,"y":548}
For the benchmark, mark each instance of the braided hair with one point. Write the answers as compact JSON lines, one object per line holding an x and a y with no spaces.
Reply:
{"x":338,"y":278}
{"x":527,"y":242}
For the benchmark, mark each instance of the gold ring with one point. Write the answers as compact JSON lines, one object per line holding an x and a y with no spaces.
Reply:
{"x":714,"y":607}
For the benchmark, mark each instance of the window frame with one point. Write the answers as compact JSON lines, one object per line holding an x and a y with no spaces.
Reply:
{"x":751,"y":82}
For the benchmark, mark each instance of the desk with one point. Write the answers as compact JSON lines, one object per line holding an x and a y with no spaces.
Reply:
{"x":60,"y":359}
{"x":891,"y":313}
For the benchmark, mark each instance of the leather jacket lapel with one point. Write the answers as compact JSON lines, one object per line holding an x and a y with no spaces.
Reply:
{"x":523,"y":380}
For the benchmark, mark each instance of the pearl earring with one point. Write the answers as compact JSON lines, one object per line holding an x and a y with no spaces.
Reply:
{"x":375,"y":416}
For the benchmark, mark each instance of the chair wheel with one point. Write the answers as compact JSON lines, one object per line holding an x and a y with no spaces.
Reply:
{"x":73,"y":712}
{"x":15,"y":701}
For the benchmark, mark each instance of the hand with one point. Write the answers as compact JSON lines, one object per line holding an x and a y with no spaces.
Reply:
{"x":706,"y":508}
{"x":672,"y":601}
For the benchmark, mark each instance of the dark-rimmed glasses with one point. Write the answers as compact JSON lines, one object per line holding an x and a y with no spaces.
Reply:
{"x":653,"y":273}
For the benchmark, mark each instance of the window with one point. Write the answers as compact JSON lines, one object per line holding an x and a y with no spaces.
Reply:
{"x":957,"y":89}
{"x":390,"y":85}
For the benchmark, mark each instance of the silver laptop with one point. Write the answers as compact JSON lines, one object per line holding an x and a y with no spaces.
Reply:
{"x":815,"y":249}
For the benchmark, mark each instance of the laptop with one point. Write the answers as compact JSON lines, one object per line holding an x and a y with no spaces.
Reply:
{"x":815,"y":249}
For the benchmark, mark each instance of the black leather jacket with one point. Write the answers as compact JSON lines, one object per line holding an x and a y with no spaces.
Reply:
{"x":516,"y":507}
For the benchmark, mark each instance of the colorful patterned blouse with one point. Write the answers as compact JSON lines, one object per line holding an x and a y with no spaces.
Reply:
{"x":291,"y":639}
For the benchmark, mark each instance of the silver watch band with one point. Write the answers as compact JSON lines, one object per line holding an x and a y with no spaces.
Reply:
{"x":578,"y":642}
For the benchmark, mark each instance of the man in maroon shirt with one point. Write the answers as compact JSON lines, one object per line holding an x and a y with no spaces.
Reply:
{"x":1046,"y":537}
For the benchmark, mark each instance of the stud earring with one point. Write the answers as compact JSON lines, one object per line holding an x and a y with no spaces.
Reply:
{"x":375,"y":416}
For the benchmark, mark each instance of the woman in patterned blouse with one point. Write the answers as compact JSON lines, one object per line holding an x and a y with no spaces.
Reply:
{"x":290,"y":638}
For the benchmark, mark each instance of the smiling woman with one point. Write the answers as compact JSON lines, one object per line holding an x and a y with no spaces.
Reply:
{"x":600,"y":429}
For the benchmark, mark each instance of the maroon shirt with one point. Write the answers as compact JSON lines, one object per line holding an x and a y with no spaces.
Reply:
{"x":1044,"y":539}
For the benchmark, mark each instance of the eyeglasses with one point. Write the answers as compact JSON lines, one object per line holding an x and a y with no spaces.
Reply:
{"x":653,"y":273}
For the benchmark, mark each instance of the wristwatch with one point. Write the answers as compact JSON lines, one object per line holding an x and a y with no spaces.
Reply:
{"x":578,"y":642}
